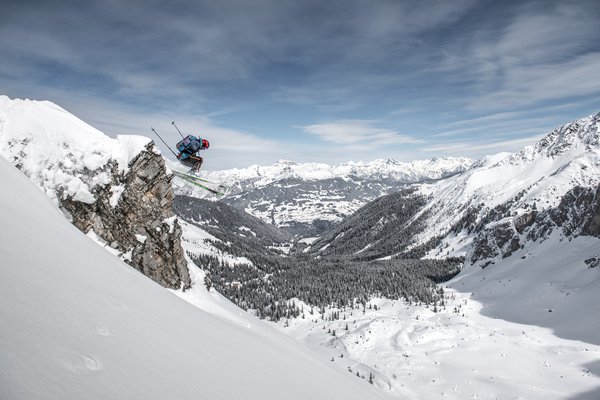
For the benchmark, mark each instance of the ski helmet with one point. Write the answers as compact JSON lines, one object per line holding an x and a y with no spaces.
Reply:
{"x":205,"y":144}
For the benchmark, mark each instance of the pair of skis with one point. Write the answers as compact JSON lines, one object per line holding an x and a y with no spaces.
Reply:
{"x":201,"y":183}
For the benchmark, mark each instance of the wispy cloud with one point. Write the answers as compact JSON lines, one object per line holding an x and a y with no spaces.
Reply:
{"x":528,"y":86}
{"x":358,"y":133}
{"x":478,"y":149}
{"x":542,"y":54}
{"x":495,"y":126}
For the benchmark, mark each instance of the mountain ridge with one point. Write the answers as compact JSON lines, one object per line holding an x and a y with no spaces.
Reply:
{"x":406,"y":172}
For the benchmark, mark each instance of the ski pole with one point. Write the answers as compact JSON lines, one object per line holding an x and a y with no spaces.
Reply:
{"x":173,"y":123}
{"x":161,"y":139}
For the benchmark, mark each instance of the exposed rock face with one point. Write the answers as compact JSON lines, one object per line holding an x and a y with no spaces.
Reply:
{"x":499,"y":239}
{"x":577,"y":214}
{"x":134,"y":215}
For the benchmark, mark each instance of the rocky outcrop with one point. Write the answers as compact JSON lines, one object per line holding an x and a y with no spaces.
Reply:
{"x":577,"y":214}
{"x":524,"y":221}
{"x":500,"y":239}
{"x":134,"y":215}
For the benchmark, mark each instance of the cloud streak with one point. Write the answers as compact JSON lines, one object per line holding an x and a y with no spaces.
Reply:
{"x":357,"y":133}
{"x":481,"y":148}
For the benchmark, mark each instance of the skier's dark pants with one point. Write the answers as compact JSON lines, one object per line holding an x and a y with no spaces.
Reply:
{"x":194,"y":162}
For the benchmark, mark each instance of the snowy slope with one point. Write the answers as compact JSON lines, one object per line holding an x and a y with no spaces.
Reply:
{"x":116,"y":190}
{"x":525,"y":328}
{"x":58,"y":151}
{"x":547,"y":284}
{"x":79,"y":323}
{"x":499,"y":191}
{"x":536,"y":178}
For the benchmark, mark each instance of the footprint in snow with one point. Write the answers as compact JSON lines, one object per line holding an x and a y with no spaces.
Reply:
{"x":84,"y":364}
{"x":102,"y":331}
{"x":91,"y":363}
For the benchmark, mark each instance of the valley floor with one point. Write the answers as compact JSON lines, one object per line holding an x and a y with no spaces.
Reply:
{"x":464,"y":350}
{"x":456,"y":353}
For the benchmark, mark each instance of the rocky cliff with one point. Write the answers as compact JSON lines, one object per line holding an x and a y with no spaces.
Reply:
{"x":139,"y":222}
{"x":116,"y":190}
{"x":577,"y":214}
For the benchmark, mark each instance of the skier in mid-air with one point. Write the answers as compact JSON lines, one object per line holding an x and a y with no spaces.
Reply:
{"x":188,"y":151}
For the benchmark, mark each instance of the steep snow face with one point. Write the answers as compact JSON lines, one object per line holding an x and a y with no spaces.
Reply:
{"x":79,"y":323}
{"x":535,"y":178}
{"x":553,"y":283}
{"x":58,"y":151}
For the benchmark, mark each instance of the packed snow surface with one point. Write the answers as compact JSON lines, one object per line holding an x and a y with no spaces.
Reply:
{"x":79,"y":323}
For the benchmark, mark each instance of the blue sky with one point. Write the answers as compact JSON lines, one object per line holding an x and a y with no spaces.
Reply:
{"x":326,"y":81}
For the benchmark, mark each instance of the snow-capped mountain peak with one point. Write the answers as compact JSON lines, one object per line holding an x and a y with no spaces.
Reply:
{"x":510,"y":185}
{"x":571,"y":139}
{"x":401,"y":171}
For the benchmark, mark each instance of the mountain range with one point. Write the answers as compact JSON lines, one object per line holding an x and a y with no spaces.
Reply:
{"x":499,"y":196}
{"x":307,"y":199}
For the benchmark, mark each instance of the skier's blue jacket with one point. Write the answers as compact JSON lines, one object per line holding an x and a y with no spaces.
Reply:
{"x":188,"y":146}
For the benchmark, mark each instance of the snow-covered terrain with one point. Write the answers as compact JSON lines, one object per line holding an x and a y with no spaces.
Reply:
{"x":79,"y":323}
{"x":494,"y":201}
{"x":115,"y":190}
{"x":536,"y":178}
{"x":59,"y":152}
{"x":489,"y":341}
{"x":521,"y":323}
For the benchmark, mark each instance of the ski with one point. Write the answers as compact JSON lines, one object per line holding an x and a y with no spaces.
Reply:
{"x":196,"y":183}
{"x":197,"y":178}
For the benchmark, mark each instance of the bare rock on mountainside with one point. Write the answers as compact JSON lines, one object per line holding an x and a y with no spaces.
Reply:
{"x":141,"y":224}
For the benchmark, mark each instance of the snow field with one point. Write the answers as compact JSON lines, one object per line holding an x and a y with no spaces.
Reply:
{"x":416,"y":353}
{"x":546,"y":284}
{"x":545,"y":346}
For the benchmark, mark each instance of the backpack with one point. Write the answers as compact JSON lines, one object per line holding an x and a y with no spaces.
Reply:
{"x":190,"y":144}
